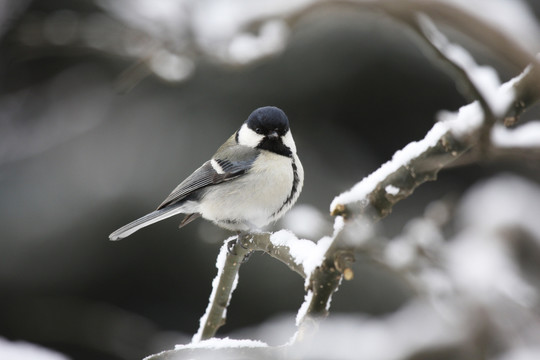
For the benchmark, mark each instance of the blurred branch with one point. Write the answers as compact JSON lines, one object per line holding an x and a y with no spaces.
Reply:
{"x":421,"y":161}
{"x":443,"y":49}
{"x":466,"y":23}
{"x":499,"y":43}
{"x":467,"y":72}
{"x":527,"y":89}
{"x":325,"y":281}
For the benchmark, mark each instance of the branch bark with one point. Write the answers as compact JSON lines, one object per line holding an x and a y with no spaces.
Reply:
{"x":327,"y":277}
{"x":231,"y":255}
{"x":378,"y":202}
{"x":229,"y":260}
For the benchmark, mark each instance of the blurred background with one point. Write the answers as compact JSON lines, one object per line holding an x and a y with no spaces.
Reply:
{"x":105,"y":106}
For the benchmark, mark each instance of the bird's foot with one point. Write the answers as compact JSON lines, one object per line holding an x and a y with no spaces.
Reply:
{"x":242,"y":241}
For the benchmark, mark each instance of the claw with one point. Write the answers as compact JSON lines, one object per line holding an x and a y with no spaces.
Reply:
{"x":246,"y":257}
{"x":238,"y":241}
{"x":231,"y":246}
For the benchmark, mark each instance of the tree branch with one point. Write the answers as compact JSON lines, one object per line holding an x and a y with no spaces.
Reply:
{"x":228,"y":263}
{"x":279,"y":245}
{"x":325,"y":278}
{"x":421,"y":161}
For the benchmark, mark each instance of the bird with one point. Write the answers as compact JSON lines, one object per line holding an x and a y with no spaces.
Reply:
{"x":252,"y":180}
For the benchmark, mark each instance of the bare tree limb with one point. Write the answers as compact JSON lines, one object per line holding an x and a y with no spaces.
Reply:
{"x":229,"y":260}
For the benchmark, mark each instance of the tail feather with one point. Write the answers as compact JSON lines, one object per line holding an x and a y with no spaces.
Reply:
{"x":144,"y":221}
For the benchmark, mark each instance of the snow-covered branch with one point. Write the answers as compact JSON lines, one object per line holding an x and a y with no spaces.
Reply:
{"x":332,"y":264}
{"x":451,"y":137}
{"x":168,"y":39}
{"x":231,"y":255}
{"x":222,"y":349}
{"x":227,"y":263}
{"x":321,"y":264}
{"x":525,"y":136}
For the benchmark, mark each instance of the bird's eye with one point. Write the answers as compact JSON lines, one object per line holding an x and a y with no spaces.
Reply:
{"x":258,"y":130}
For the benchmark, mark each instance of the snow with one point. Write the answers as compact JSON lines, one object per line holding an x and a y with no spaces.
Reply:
{"x":317,"y":256}
{"x":217,"y":24}
{"x":304,"y":252}
{"x":392,"y":190}
{"x":399,"y":254}
{"x":501,"y":14}
{"x":210,"y":344}
{"x":224,"y":343}
{"x":315,"y":259}
{"x":164,"y":19}
{"x":339,"y":225}
{"x":484,"y":78}
{"x":304,"y":307}
{"x":525,"y":353}
{"x":480,"y":259}
{"x":299,"y":249}
{"x":220,"y":264}
{"x":361,"y":190}
{"x":504,"y":201}
{"x":481,"y":265}
{"x":305,"y":221}
{"x":246,"y":47}
{"x":419,"y":234}
{"x":526,"y":135}
{"x":170,"y":66}
{"x":460,"y":124}
{"x":243,"y":31}
{"x":465,"y":121}
{"x":25,"y":351}
{"x":349,"y":336}
{"x":218,"y":27}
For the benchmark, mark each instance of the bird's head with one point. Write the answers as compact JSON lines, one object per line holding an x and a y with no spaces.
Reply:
{"x":267,"y":128}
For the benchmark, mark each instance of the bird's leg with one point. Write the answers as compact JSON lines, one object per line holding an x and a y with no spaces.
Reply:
{"x":231,"y":246}
{"x":242,"y":240}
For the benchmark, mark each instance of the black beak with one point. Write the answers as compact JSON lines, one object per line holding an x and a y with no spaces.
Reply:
{"x":272,"y":135}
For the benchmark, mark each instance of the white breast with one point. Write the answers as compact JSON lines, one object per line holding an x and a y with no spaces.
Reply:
{"x":254,"y":200}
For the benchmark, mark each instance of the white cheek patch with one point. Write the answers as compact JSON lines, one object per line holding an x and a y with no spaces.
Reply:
{"x":248,"y":137}
{"x":289,"y":141}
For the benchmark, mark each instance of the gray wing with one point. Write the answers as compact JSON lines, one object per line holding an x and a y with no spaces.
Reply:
{"x":207,"y":175}
{"x":210,"y":173}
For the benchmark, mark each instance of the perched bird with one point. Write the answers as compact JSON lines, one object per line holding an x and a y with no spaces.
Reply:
{"x":252,"y":180}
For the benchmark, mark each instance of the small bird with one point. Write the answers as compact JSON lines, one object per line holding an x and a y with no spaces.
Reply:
{"x":252,"y":180}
